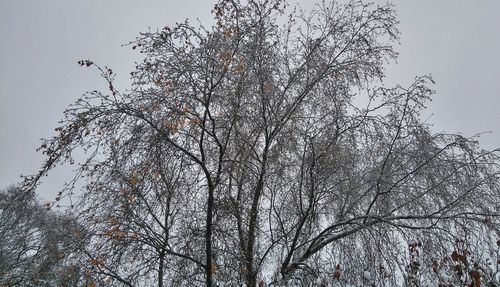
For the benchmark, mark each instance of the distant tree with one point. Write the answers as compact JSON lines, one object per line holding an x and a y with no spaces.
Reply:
{"x":263,"y":150}
{"x":34,"y":246}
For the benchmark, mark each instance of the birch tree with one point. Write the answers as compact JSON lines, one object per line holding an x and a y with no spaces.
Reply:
{"x":265,"y":149}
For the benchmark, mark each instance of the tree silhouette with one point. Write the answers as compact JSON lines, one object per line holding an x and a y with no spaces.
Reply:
{"x":264,"y":150}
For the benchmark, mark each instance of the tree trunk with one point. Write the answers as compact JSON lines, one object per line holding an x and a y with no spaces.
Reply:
{"x":160,"y":270}
{"x":208,"y":236}
{"x":251,"y":274}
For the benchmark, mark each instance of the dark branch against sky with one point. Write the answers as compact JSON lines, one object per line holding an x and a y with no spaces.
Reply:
{"x":456,"y":41}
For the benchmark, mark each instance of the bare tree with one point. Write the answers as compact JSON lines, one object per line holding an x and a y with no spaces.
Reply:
{"x":263,"y":150}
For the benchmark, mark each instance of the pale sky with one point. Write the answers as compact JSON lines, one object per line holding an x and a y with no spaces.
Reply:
{"x":456,"y":41}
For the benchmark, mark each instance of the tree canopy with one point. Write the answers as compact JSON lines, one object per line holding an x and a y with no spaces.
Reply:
{"x":265,"y":150}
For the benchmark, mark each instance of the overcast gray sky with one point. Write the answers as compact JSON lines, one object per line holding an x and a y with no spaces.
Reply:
{"x":456,"y":41}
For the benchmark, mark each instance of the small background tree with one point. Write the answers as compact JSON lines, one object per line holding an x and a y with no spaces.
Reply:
{"x":35,"y":247}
